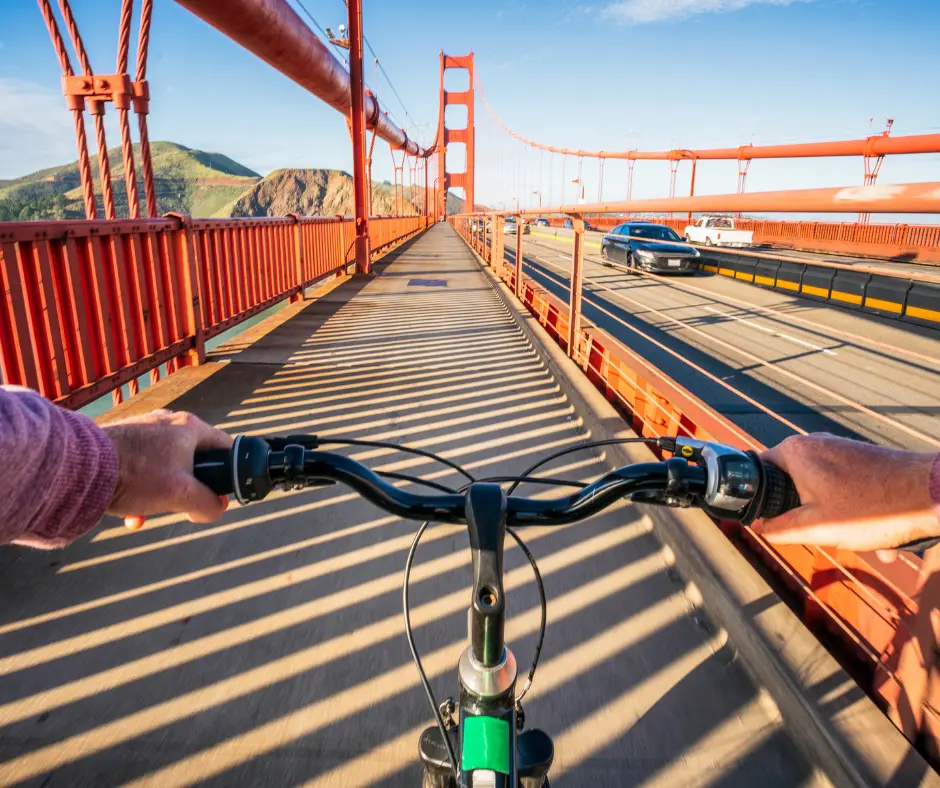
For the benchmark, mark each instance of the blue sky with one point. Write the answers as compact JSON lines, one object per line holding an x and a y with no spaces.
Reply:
{"x":650,"y":74}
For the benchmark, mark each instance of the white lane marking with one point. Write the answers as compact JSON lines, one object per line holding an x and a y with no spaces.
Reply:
{"x":771,"y":331}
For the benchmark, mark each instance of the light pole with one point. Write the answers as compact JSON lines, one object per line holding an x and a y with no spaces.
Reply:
{"x":517,"y":203}
{"x":540,"y":198}
{"x":581,"y":195}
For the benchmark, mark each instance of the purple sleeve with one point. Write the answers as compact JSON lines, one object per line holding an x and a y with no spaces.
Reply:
{"x":58,"y":475}
{"x":934,"y":484}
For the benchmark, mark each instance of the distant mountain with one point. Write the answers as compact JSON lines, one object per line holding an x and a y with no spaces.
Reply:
{"x":307,"y":193}
{"x":310,"y":192}
{"x":189,"y":181}
{"x":196,"y":183}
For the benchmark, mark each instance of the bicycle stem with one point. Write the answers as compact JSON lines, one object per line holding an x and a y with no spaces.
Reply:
{"x":486,"y":527}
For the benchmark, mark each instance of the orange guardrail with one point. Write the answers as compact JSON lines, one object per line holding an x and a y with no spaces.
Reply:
{"x":907,"y":242}
{"x":873,"y":615}
{"x":88,"y":306}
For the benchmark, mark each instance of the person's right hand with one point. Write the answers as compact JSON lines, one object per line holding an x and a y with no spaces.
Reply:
{"x":155,"y":467}
{"x":854,"y":495}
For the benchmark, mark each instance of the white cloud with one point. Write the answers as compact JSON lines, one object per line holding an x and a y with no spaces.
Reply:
{"x":36,"y":128}
{"x":638,"y":12}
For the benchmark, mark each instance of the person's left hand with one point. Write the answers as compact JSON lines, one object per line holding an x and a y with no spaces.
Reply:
{"x":155,"y":467}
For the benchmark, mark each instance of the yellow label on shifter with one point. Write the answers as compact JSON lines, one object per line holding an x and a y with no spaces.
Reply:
{"x":687,"y":451}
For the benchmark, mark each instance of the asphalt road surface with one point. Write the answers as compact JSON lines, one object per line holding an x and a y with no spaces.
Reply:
{"x":814,"y":366}
{"x":920,"y":269}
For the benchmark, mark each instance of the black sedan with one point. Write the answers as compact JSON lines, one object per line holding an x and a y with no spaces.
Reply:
{"x":648,"y":246}
{"x":568,"y":225}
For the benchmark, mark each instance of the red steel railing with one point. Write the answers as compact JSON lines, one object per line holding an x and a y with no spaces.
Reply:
{"x":916,"y":242}
{"x":876,"y":613}
{"x":88,"y":306}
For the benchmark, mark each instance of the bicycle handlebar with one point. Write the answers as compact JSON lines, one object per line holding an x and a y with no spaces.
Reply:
{"x":721,"y":480}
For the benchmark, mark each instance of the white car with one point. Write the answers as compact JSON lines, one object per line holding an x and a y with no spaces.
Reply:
{"x":717,"y":231}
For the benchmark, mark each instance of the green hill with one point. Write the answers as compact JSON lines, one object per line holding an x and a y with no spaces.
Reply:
{"x":189,"y":181}
{"x":196,"y":183}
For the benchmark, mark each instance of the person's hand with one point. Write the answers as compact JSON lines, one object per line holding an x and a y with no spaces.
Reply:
{"x":155,"y":467}
{"x":854,"y":495}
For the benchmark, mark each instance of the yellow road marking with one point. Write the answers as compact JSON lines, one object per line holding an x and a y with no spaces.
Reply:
{"x":849,"y":298}
{"x":923,"y":314}
{"x":887,"y":306}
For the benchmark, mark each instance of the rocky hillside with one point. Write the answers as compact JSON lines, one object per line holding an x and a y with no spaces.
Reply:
{"x":315,"y":193}
{"x":307,"y":193}
{"x":188,"y":181}
{"x":197,"y":183}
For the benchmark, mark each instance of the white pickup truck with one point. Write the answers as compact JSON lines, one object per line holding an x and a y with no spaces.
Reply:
{"x":717,"y":231}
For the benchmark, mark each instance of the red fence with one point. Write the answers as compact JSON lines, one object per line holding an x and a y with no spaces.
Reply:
{"x":86,"y":307}
{"x":914,"y":242}
{"x":877,"y":615}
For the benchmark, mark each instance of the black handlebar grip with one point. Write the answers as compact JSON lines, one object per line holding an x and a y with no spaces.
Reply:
{"x":213,"y":467}
{"x":780,"y":496}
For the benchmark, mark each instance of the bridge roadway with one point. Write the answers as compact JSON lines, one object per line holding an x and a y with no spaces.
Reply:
{"x":930,"y":269}
{"x":812,"y":363}
{"x":268,"y":649}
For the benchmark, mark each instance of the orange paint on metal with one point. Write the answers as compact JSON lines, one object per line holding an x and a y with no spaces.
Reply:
{"x":900,"y":198}
{"x":466,"y":135}
{"x":274,"y":32}
{"x":876,"y":145}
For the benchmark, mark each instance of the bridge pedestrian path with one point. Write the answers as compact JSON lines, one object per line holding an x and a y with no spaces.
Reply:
{"x":268,"y":648}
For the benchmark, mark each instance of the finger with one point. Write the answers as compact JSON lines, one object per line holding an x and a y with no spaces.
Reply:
{"x":200,"y":504}
{"x":779,"y":524}
{"x":887,"y":556}
{"x":775,"y":456}
{"x":848,"y":536}
{"x":134,"y":522}
{"x":208,"y":437}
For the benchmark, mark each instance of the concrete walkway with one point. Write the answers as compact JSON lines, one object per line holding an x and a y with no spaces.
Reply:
{"x":268,"y":649}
